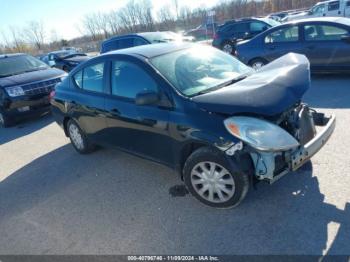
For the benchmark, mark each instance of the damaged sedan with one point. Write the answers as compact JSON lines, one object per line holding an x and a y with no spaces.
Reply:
{"x":220,"y":124}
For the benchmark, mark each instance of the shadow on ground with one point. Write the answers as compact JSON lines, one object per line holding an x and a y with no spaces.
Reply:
{"x":329,"y":91}
{"x":25,"y":127}
{"x":113,"y":203}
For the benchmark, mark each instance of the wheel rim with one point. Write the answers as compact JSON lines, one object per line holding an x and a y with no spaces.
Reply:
{"x":258,"y":65}
{"x":1,"y":119}
{"x":227,"y":48}
{"x":76,"y":136}
{"x":212,"y":182}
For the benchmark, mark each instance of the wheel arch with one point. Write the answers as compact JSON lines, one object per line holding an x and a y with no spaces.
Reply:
{"x":257,"y":58}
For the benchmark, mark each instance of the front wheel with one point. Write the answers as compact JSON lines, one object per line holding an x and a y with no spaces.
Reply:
{"x":4,"y":120}
{"x":257,"y":63}
{"x":78,"y":138}
{"x":213,"y":180}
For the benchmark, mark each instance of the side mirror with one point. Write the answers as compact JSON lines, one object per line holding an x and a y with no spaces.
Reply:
{"x":346,"y":38}
{"x":147,"y":98}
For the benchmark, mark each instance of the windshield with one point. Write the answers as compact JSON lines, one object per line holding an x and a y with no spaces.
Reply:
{"x":199,"y":69}
{"x":14,"y":65}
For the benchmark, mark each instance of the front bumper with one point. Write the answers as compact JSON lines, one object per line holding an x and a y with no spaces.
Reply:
{"x":304,"y":153}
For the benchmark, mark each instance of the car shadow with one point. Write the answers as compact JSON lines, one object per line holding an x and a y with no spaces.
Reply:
{"x":25,"y":127}
{"x":113,"y":203}
{"x":329,"y":91}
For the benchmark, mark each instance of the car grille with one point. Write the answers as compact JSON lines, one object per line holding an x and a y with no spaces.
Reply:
{"x":38,"y":88}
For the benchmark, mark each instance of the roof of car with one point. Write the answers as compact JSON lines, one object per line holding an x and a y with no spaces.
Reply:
{"x":341,"y":20}
{"x":149,"y":51}
{"x":10,"y":55}
{"x":142,"y":34}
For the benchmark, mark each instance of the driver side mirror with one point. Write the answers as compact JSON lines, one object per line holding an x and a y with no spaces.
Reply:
{"x":346,"y":38}
{"x":147,"y":98}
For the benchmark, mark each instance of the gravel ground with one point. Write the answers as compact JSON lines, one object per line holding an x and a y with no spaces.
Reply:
{"x":54,"y":201}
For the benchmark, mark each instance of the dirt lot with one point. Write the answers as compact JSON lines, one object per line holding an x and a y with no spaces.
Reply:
{"x":54,"y":201}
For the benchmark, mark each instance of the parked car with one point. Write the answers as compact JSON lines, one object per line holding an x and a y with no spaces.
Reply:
{"x":67,"y":63}
{"x":203,"y":32}
{"x":234,"y":31}
{"x":210,"y":117}
{"x":146,"y":38}
{"x":329,"y":8}
{"x":25,"y":84}
{"x":324,"y":41}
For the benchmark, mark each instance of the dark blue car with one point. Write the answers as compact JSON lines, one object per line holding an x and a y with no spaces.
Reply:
{"x":324,"y":41}
{"x":198,"y":110}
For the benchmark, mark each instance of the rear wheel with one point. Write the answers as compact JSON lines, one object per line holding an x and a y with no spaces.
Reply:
{"x":228,"y":47}
{"x":78,"y":138}
{"x":213,"y":180}
{"x":257,"y":63}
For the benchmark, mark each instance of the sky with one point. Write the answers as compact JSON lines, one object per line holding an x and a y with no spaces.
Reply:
{"x":64,"y":16}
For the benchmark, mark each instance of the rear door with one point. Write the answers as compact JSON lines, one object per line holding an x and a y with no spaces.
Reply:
{"x":324,"y":47}
{"x":140,"y":129}
{"x":88,"y":101}
{"x":334,"y":9}
{"x":281,"y":41}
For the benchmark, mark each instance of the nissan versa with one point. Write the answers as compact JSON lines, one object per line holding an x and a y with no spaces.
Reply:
{"x":198,"y":110}
{"x":25,"y":85}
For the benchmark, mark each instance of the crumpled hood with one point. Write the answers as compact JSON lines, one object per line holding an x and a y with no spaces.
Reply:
{"x":29,"y":77}
{"x":269,"y":91}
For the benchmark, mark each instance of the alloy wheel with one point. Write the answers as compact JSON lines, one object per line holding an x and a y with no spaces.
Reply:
{"x":212,"y":182}
{"x":76,"y":136}
{"x":227,"y":48}
{"x":257,"y":65}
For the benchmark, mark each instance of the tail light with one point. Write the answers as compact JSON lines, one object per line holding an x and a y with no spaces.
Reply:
{"x":51,"y":95}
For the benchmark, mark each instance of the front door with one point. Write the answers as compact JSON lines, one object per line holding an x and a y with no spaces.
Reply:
{"x":140,"y":129}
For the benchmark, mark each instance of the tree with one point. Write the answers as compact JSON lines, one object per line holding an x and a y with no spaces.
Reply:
{"x":35,"y":33}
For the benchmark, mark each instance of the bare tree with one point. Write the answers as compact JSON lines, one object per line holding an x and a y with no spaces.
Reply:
{"x":17,"y":39}
{"x":35,"y":33}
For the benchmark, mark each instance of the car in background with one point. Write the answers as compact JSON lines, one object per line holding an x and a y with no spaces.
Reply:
{"x":324,"y":41}
{"x":330,"y":8}
{"x":216,"y":121}
{"x":233,"y":31}
{"x":25,"y":85}
{"x":67,"y":63}
{"x":146,"y":38}
{"x":203,"y":31}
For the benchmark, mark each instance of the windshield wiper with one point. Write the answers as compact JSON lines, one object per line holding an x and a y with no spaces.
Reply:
{"x":232,"y":81}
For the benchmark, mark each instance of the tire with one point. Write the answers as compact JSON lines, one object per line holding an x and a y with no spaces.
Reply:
{"x":228,"y":47}
{"x":226,"y":178}
{"x":78,"y":138}
{"x":4,"y":120}
{"x":257,"y":63}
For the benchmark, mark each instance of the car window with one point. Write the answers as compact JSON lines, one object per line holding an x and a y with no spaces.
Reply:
{"x":126,"y":42}
{"x":286,"y":34}
{"x":129,"y":79}
{"x":109,"y":46}
{"x":258,"y":27}
{"x":139,"y":41}
{"x":323,"y":33}
{"x":332,"y":6}
{"x":319,"y":9}
{"x":90,"y":78}
{"x":348,"y":3}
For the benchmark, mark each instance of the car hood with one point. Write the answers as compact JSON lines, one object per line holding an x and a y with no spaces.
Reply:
{"x":267,"y":92}
{"x":29,"y":77}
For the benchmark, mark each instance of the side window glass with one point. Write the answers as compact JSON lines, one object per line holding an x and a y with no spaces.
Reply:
{"x":128,"y":79}
{"x":287,"y":34}
{"x":257,"y":27}
{"x":332,"y":6}
{"x":323,"y":33}
{"x":90,"y":78}
{"x":126,"y":42}
{"x":139,"y":41}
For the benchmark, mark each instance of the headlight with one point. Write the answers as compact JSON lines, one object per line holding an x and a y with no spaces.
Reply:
{"x":260,"y":134}
{"x":14,"y":91}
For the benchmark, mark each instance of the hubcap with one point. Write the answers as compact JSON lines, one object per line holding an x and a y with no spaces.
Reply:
{"x":1,"y":119}
{"x":76,"y":137}
{"x":258,"y":65}
{"x":227,"y":48}
{"x":212,"y":182}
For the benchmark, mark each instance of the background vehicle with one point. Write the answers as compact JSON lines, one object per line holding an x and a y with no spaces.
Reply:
{"x":67,"y":63}
{"x":131,"y":40}
{"x":203,"y":32}
{"x":329,"y":8}
{"x":171,"y":104}
{"x":50,"y":58}
{"x":233,"y":31}
{"x":324,"y":41}
{"x":25,"y":84}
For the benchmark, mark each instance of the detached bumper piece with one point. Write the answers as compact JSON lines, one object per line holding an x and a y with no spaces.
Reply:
{"x":305,"y":152}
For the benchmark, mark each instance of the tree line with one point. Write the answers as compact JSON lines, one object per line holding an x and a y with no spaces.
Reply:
{"x":138,"y":16}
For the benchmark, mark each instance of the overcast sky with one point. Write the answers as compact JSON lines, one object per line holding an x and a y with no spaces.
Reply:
{"x":64,"y":16}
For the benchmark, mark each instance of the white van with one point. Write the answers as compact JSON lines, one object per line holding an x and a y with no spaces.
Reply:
{"x":326,"y":8}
